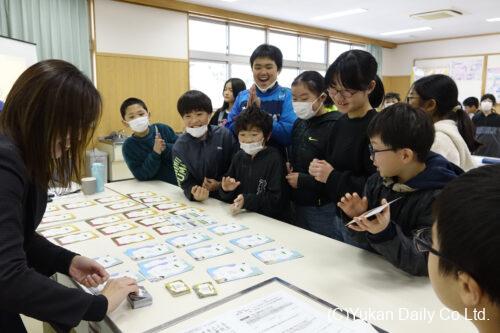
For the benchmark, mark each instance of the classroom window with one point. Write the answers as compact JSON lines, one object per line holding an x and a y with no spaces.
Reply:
{"x":207,"y":36}
{"x":312,"y":50}
{"x":209,"y":77}
{"x":244,"y":72}
{"x":287,"y":76}
{"x":288,"y":44}
{"x":243,"y":40}
{"x":337,"y":49}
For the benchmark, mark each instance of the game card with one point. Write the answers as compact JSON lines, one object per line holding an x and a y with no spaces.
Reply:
{"x":149,"y":221}
{"x":110,"y":199}
{"x":186,"y":240}
{"x":277,"y":255}
{"x":162,"y":268}
{"x":116,"y":275}
{"x":123,"y":204}
{"x":80,"y":204}
{"x":59,"y":231}
{"x":190,"y":212}
{"x":115,"y":228}
{"x":148,"y":251}
{"x":225,"y":229}
{"x":177,"y":288}
{"x":205,"y":289}
{"x":168,"y":205}
{"x":141,"y":213}
{"x":206,"y":220}
{"x":58,"y":218}
{"x":167,"y":229}
{"x":141,"y":195}
{"x":132,"y":238}
{"x":208,"y":251}
{"x":75,"y":238}
{"x":233,"y":272}
{"x":106,"y":220}
{"x":51,"y":208}
{"x":154,"y":200}
{"x":108,"y":261}
{"x":248,"y":242}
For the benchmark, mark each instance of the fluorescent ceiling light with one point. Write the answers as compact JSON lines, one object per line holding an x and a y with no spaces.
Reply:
{"x":340,"y":14}
{"x":495,"y":19}
{"x":405,"y":31}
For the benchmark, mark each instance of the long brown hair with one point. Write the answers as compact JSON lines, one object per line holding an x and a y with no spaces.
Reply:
{"x":52,"y":103}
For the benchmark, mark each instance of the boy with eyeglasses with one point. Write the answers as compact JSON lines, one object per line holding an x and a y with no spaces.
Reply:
{"x":464,"y":266}
{"x":400,"y":141}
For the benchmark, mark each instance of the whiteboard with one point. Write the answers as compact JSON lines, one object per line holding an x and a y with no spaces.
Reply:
{"x":466,"y":71}
{"x":15,"y":57}
{"x":493,"y":76}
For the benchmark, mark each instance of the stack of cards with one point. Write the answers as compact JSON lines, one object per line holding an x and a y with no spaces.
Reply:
{"x":140,"y":299}
{"x":177,"y":288}
{"x":205,"y":289}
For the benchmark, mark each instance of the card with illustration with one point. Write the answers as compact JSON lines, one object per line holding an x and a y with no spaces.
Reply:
{"x":115,"y":228}
{"x":168,"y":205}
{"x":206,"y":220}
{"x":132,"y":238}
{"x":277,"y":255}
{"x":226,"y":229}
{"x":226,"y":273}
{"x":58,"y":218}
{"x":141,"y":195}
{"x":98,"y":221}
{"x":187,"y":239}
{"x":208,"y":251}
{"x":110,"y":199}
{"x":141,"y":213}
{"x":177,"y":288}
{"x":148,"y":251}
{"x":80,"y":204}
{"x":108,"y":261}
{"x":205,"y":289}
{"x":167,"y":229}
{"x":75,"y":238}
{"x":154,"y":200}
{"x":247,"y":242}
{"x":59,"y":231}
{"x":116,"y":275}
{"x":123,"y":204}
{"x":52,"y":208}
{"x":163,"y":268}
{"x":149,"y":221}
{"x":189,"y":212}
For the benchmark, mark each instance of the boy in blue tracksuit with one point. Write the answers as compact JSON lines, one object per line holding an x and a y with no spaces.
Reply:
{"x":266,"y":62}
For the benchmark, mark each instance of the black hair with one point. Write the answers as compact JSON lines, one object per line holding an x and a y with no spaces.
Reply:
{"x":469,"y":235}
{"x":254,"y":117}
{"x":402,"y":126}
{"x":471,"y":101}
{"x":194,"y":100}
{"x":444,"y":91}
{"x":490,"y":97}
{"x":356,"y":69}
{"x":268,"y":51}
{"x":131,"y":101}
{"x":315,"y":83}
{"x":393,"y":95}
{"x":237,"y":85}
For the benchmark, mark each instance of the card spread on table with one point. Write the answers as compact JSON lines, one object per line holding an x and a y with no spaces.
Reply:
{"x":167,"y":229}
{"x":115,"y":228}
{"x":80,"y":204}
{"x":233,"y":272}
{"x":108,"y":261}
{"x":154,"y":200}
{"x":51,"y":208}
{"x":132,"y":238}
{"x":188,"y":239}
{"x":75,"y":238}
{"x":206,"y":220}
{"x":123,"y":204}
{"x":168,"y":205}
{"x":208,"y":251}
{"x":59,"y":231}
{"x":148,"y":251}
{"x":205,"y":289}
{"x":153,"y":220}
{"x":141,"y":213}
{"x":164,"y":267}
{"x":110,"y":199}
{"x":177,"y":288}
{"x":189,"y":212}
{"x":277,"y":255}
{"x":248,"y":242}
{"x":116,"y":275}
{"x":106,"y":220}
{"x":58,"y":218}
{"x":225,"y":229}
{"x":140,"y":195}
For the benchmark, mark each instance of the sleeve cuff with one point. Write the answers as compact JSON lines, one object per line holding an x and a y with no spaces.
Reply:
{"x":97,"y":309}
{"x":383,"y":236}
{"x":64,"y":261}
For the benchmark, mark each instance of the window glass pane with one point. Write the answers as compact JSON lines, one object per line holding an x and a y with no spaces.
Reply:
{"x":208,"y":37}
{"x":243,"y":41}
{"x":287,"y":76}
{"x":208,"y":77}
{"x":312,"y":50}
{"x":358,"y":47}
{"x":337,"y":49}
{"x":288,"y":44}
{"x":244,"y":72}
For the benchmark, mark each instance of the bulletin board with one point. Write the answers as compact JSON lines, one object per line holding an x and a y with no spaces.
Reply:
{"x":493,"y":76}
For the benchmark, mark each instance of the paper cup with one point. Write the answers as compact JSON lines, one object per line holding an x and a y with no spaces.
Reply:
{"x":89,"y":185}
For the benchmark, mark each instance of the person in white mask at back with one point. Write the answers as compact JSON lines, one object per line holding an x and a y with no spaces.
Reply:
{"x":391,"y":98}
{"x":487,"y":123}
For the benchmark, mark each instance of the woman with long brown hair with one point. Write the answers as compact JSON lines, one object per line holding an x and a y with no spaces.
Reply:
{"x":47,"y":121}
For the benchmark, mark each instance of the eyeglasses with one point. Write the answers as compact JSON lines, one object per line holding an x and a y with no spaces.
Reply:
{"x":374,"y":151}
{"x":345,"y":93}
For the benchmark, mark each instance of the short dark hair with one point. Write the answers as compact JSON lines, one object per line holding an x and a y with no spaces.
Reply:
{"x":315,"y":83}
{"x":194,"y":100}
{"x":393,"y":95}
{"x":471,"y":101}
{"x":254,"y":117}
{"x":490,"y":97}
{"x":469,"y":235}
{"x":131,"y":101}
{"x":402,"y":126}
{"x":268,"y":51}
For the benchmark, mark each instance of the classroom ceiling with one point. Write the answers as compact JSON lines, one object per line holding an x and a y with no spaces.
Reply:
{"x":381,"y":16}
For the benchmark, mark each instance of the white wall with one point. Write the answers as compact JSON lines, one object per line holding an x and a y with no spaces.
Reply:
{"x":399,"y":61}
{"x":139,"y":30}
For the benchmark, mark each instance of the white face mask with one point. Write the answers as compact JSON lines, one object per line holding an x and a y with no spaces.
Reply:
{"x":304,"y":110}
{"x":486,"y":106}
{"x":139,"y":124}
{"x":252,"y":148}
{"x":263,"y":90}
{"x":197,"y":132}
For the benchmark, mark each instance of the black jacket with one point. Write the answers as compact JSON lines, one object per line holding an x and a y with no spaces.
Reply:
{"x":263,"y":183}
{"x":28,"y":259}
{"x":310,"y":140}
{"x":409,"y":214}
{"x":195,"y":159}
{"x":488,"y":134}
